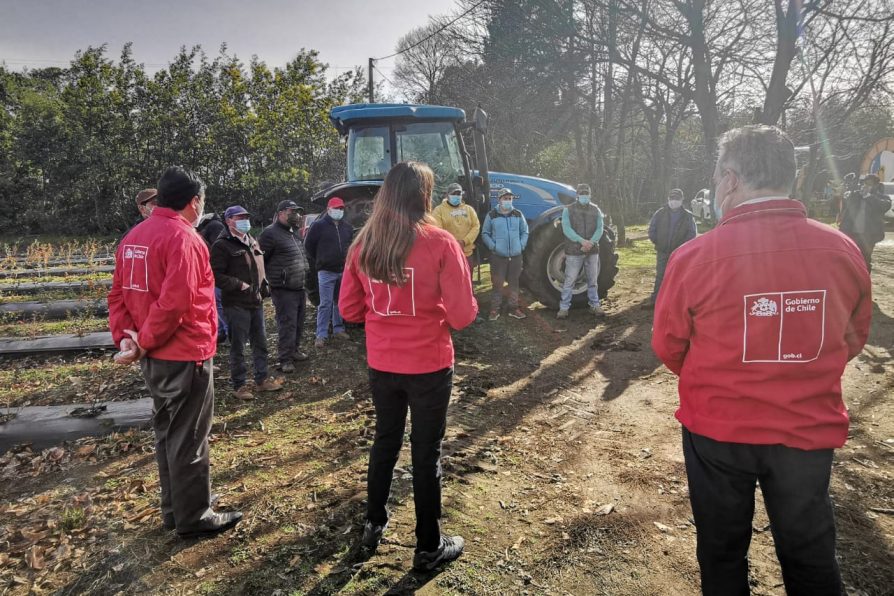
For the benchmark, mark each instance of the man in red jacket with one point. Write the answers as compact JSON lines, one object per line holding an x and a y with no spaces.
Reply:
{"x":162,"y":314}
{"x":759,"y":318}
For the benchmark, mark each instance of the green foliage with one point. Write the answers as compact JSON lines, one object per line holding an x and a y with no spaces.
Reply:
{"x":77,"y":144}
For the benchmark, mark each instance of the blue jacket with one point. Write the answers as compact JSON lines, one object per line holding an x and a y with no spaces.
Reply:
{"x":505,"y":234}
{"x":327,"y":244}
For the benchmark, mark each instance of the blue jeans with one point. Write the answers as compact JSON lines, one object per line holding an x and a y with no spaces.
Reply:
{"x":247,"y":325}
{"x":222,"y":330}
{"x":327,"y":312}
{"x":573,"y":264}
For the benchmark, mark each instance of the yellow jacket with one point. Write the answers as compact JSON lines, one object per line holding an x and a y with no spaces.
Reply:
{"x":461,"y":222}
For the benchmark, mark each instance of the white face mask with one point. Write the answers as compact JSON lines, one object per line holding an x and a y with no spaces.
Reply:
{"x":675,"y":203}
{"x":506,"y":204}
{"x":200,"y":211}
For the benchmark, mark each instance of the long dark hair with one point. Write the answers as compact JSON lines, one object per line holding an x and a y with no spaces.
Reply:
{"x":400,"y":210}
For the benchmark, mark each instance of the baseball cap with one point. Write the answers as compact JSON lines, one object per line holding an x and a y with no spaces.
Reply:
{"x":335,"y":203}
{"x":146,"y":195}
{"x":583,"y":189}
{"x":234,"y":211}
{"x":675,"y":193}
{"x":288,"y":204}
{"x":504,"y":191}
{"x":454,"y":189}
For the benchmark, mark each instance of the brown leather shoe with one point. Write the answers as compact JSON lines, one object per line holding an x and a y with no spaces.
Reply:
{"x":270,"y":384}
{"x":244,"y":393}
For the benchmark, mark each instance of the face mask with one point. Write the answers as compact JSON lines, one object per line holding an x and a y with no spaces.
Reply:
{"x":243,"y":225}
{"x":584,"y":199}
{"x":336,"y":214}
{"x":200,"y":211}
{"x":675,"y":203}
{"x":506,"y":205}
{"x":454,"y":200}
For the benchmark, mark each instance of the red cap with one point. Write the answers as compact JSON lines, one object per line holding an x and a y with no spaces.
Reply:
{"x":335,"y":203}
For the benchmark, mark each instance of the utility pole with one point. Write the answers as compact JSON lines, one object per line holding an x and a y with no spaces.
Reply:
{"x":370,"y":87}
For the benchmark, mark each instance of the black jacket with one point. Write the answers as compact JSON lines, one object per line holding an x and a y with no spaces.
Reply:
{"x":669,"y":230}
{"x":863,"y":216}
{"x":284,"y":257}
{"x":327,"y":244}
{"x":234,"y":263}
{"x":210,"y":228}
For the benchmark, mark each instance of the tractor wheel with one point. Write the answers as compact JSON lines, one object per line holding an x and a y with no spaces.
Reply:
{"x":544,"y":271}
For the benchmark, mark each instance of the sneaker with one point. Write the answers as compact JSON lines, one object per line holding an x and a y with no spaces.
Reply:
{"x":517,"y":313}
{"x":494,"y":315}
{"x":372,"y":535}
{"x":597,"y":310}
{"x":270,"y":384}
{"x":287,"y":367}
{"x":320,"y":343}
{"x":300,"y":356}
{"x":562,"y":314}
{"x":244,"y":393}
{"x":450,"y":550}
{"x":342,"y":336}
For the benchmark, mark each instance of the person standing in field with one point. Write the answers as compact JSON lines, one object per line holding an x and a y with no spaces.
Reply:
{"x":238,"y":266}
{"x":758,"y":319}
{"x":460,"y":219}
{"x":409,"y":282}
{"x":162,"y":315}
{"x":863,"y":216}
{"x":583,"y":225}
{"x":286,"y":264}
{"x":669,"y":229}
{"x":326,"y":244}
{"x":505,"y":233}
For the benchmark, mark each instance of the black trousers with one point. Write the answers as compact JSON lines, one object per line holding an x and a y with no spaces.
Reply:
{"x":290,"y":312}
{"x":795,"y":484}
{"x":426,"y":396}
{"x":183,"y":405}
{"x":246,"y":325}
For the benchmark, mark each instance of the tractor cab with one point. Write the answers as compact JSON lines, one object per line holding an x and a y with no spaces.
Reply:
{"x":381,"y":135}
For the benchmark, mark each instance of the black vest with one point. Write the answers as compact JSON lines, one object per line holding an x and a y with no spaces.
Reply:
{"x":668,"y":240}
{"x":583,"y":219}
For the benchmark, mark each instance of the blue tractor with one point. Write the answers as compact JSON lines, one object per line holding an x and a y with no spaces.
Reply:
{"x":381,"y":135}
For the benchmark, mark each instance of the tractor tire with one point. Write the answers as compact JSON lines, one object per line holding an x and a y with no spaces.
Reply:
{"x":544,"y":267}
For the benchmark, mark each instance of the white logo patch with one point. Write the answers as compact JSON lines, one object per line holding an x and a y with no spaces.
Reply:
{"x":784,"y":326}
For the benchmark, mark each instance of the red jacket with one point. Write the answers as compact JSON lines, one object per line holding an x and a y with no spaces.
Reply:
{"x":163,"y":288}
{"x":408,"y":327}
{"x":759,"y":318}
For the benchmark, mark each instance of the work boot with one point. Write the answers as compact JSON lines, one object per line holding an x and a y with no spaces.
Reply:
{"x":342,"y":336}
{"x":517,"y":313}
{"x":300,"y":356}
{"x":372,"y":535}
{"x":287,"y":367}
{"x":450,"y":550}
{"x":562,"y":314}
{"x":213,"y":524}
{"x":270,"y":384}
{"x":167,"y":520}
{"x":597,"y":310}
{"x":244,"y":393}
{"x":494,"y":315}
{"x":320,"y":343}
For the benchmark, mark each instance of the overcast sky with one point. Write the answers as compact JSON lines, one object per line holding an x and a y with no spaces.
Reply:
{"x":40,"y":33}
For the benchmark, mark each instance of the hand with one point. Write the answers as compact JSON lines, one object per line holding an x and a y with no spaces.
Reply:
{"x":586,"y":245}
{"x":130,"y":349}
{"x":245,"y":287}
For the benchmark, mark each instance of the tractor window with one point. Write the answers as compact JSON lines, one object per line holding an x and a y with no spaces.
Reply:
{"x":436,"y":144}
{"x":369,"y":156}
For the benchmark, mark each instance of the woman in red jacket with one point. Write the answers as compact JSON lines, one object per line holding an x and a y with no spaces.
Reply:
{"x":409,"y":282}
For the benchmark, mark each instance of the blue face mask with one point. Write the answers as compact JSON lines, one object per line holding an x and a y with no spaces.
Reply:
{"x":336,"y":214}
{"x":454,"y":200}
{"x":506,"y":205}
{"x":243,"y":225}
{"x":584,"y":199}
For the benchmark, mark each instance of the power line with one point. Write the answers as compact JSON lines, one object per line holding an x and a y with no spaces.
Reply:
{"x":427,"y":37}
{"x":376,"y":68}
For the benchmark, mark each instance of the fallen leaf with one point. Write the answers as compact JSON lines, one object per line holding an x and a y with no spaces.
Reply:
{"x":34,"y":557}
{"x":605,"y":509}
{"x":86,"y":450}
{"x":662,"y":527}
{"x":552,"y":520}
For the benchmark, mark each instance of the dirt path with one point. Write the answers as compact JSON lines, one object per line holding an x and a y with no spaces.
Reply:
{"x":563,"y":470}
